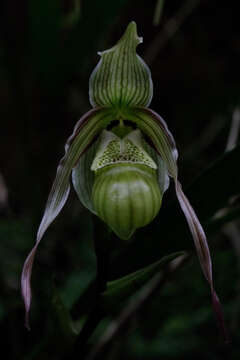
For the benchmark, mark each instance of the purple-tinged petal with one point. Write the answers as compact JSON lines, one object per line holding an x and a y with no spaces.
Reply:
{"x":197,"y":231}
{"x":203,"y":252}
{"x":84,"y":132}
{"x":154,"y":127}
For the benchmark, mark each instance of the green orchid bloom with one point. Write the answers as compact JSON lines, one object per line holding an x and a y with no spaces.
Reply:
{"x":121,"y":156}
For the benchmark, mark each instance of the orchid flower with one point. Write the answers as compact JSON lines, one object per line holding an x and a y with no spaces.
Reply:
{"x":121,"y":156}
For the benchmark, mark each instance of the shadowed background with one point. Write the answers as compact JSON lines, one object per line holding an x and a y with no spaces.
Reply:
{"x":47,"y":52}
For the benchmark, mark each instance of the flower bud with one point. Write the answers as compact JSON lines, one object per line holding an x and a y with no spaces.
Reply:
{"x":126,"y":193}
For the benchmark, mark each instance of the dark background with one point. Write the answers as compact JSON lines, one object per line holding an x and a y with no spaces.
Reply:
{"x":47,"y":52}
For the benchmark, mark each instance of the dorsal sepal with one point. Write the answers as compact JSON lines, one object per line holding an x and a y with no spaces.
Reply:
{"x":121,"y":79}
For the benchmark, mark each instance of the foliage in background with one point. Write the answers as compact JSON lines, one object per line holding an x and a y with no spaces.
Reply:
{"x":47,"y":50}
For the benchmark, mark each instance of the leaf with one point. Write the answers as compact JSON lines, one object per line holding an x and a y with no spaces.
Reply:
{"x":158,"y":12}
{"x":135,"y":304}
{"x":228,"y":216}
{"x":121,"y":77}
{"x":84,"y":132}
{"x":62,"y":316}
{"x":73,"y":17}
{"x":121,"y":289}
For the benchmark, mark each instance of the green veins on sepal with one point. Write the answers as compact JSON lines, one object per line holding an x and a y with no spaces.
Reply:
{"x":121,"y":79}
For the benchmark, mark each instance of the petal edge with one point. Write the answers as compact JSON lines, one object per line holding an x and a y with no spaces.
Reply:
{"x":84,"y":132}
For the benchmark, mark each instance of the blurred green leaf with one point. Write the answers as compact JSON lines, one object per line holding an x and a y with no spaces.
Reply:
{"x":73,"y":17}
{"x":158,"y":12}
{"x":121,"y":289}
{"x":229,"y":216}
{"x":63,"y":316}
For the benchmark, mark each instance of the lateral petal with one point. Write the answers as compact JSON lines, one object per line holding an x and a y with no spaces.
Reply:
{"x":156,"y":130}
{"x":84,"y":132}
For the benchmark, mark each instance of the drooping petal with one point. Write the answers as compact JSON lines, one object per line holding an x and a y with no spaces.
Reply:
{"x":84,"y":132}
{"x":203,"y":252}
{"x":156,"y":129}
{"x":121,"y":77}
